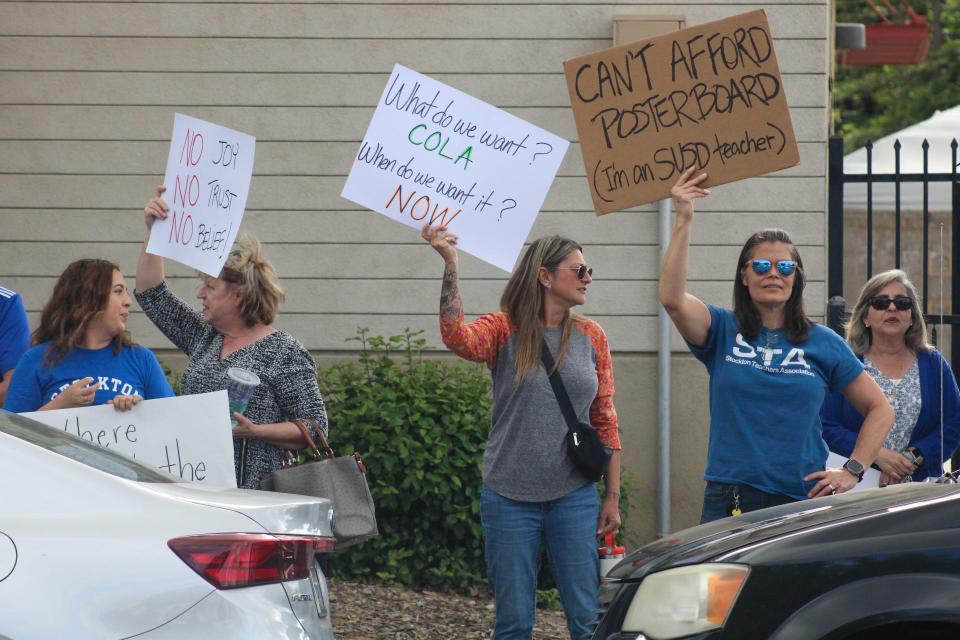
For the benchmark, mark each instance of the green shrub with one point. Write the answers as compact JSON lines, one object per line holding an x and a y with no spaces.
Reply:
{"x":421,"y":426}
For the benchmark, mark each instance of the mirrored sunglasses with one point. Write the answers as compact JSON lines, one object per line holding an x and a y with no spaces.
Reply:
{"x":784,"y":267}
{"x":881,"y":303}
{"x":582,"y":271}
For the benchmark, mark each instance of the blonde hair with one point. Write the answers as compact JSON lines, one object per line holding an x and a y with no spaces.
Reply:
{"x":252,"y":276}
{"x":523,"y":300}
{"x":859,"y":336}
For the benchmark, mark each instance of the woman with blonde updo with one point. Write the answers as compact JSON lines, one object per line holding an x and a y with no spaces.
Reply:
{"x":234,"y":328}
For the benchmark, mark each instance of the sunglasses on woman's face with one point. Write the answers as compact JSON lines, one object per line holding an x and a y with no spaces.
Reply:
{"x":882,"y":303}
{"x":582,"y":271}
{"x":762,"y":267}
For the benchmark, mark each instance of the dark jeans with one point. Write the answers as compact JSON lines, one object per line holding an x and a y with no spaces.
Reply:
{"x":719,"y":500}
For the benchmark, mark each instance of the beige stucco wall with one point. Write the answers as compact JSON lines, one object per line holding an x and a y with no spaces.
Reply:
{"x":87,"y":96}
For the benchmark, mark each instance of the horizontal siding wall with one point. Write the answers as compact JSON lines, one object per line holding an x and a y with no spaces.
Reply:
{"x":88,"y":91}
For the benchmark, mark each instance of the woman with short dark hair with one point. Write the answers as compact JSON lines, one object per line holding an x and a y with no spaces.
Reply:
{"x":769,"y":368}
{"x":83,"y":354}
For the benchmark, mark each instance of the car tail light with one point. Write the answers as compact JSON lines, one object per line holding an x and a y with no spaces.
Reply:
{"x":233,"y":560}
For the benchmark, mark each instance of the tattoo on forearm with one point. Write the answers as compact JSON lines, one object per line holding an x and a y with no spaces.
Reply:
{"x":450,"y":305}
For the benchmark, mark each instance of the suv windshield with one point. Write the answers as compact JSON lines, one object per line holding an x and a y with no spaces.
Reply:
{"x":70,"y":446}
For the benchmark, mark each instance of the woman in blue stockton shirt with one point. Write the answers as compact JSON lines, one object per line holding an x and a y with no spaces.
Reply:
{"x":769,"y":367}
{"x":83,"y":354}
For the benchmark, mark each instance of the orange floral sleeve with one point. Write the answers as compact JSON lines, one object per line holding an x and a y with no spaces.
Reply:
{"x":478,"y":341}
{"x":603,"y":415}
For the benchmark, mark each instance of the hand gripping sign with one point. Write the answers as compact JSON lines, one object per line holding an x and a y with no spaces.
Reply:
{"x":709,"y":96}
{"x":208,"y":177}
{"x":434,"y":154}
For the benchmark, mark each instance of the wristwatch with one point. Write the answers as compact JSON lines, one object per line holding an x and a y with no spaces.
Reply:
{"x":854,"y":467}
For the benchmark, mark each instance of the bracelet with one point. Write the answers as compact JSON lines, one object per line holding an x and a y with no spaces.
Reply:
{"x":607,"y":494}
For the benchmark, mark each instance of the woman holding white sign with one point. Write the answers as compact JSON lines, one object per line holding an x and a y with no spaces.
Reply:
{"x":769,"y":367}
{"x":83,"y":354}
{"x":531,"y":486}
{"x":235,"y":329}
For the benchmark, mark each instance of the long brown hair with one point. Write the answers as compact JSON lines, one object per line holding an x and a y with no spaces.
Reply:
{"x":79,"y":297}
{"x":795,"y":320}
{"x":523,"y":299}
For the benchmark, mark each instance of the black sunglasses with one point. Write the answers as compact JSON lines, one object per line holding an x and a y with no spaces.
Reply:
{"x":582,"y":271}
{"x":881,"y":303}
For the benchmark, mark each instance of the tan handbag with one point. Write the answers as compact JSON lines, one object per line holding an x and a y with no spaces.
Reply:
{"x":342,"y":480}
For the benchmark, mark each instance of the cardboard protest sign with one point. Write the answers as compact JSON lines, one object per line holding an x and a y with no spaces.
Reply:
{"x":188,"y":437}
{"x":709,"y":96}
{"x":207,"y":179}
{"x":434,"y":154}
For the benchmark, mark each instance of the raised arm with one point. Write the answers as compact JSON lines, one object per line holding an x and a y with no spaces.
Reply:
{"x":445,"y":243}
{"x":150,"y":266}
{"x":689,"y":314}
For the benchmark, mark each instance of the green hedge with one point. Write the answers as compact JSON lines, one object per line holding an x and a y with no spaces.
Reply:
{"x":421,"y":426}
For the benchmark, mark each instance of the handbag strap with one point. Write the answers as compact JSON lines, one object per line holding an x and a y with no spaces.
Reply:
{"x":327,"y":451}
{"x":558,"y":389}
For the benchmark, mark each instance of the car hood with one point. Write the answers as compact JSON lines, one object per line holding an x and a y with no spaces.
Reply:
{"x":701,"y":543}
{"x":281,"y":513}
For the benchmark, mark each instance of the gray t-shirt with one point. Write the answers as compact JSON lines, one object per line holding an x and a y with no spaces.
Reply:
{"x":526,"y":457}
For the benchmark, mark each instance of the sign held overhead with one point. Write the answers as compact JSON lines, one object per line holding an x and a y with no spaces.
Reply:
{"x":709,"y":96}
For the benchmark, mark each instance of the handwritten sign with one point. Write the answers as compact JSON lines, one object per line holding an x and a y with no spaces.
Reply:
{"x":434,"y":154}
{"x":709,"y":96}
{"x":188,"y":437}
{"x":207,"y":179}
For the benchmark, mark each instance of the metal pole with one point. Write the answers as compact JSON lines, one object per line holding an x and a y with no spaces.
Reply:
{"x":663,"y":394}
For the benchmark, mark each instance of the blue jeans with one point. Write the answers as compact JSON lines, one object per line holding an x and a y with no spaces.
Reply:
{"x":719,"y":500}
{"x":512,"y":532}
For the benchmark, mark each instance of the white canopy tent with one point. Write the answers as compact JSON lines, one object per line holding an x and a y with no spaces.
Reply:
{"x":939,"y":130}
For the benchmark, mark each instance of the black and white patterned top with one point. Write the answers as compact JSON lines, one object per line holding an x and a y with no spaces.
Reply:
{"x":904,"y":396}
{"x":288,"y":376}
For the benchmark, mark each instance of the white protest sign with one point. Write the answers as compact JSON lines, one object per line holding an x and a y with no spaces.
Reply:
{"x":207,"y":180}
{"x":435,"y":154}
{"x":189,"y":437}
{"x":871,"y":477}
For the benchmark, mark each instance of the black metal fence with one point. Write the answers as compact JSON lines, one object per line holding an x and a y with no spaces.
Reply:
{"x":842,"y":247}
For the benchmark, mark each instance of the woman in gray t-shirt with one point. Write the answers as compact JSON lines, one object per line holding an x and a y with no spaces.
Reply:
{"x":531,"y":489}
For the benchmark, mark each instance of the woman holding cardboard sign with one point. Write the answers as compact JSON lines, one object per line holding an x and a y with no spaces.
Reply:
{"x":234,"y":329}
{"x":531,"y":486}
{"x":83,"y":354}
{"x":769,"y":367}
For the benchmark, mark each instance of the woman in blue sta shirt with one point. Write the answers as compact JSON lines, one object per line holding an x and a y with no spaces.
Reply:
{"x":83,"y":354}
{"x":769,"y":367}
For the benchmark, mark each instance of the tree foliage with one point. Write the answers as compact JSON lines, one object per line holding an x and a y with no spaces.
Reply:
{"x":871,"y":102}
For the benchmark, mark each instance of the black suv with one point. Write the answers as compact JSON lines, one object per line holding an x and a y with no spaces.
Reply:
{"x":877,"y":564}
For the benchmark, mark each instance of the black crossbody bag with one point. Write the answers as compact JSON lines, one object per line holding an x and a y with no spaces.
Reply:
{"x":586,"y":451}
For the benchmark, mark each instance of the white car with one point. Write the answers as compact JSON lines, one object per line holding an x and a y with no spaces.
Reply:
{"x":96,"y":545}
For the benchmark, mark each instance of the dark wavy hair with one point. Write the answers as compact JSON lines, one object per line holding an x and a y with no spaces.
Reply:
{"x":79,"y":297}
{"x":795,"y":320}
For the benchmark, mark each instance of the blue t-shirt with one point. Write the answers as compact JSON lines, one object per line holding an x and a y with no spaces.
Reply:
{"x":14,"y":330}
{"x":765,"y":398}
{"x":133,"y":371}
